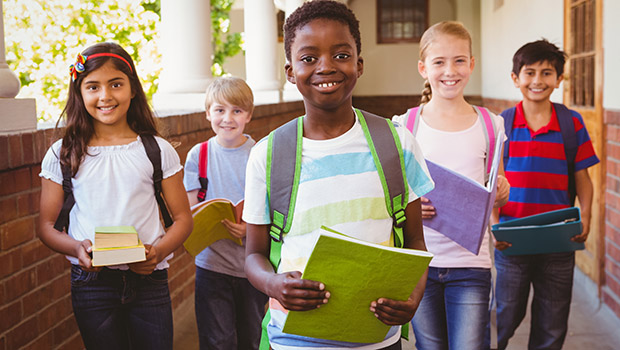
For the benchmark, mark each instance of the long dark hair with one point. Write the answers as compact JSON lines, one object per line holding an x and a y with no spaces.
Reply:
{"x":79,"y":128}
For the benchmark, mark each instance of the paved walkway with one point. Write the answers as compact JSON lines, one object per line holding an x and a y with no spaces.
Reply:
{"x":592,"y":326}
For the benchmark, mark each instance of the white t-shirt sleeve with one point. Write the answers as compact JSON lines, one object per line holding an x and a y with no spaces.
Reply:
{"x":170,"y":161}
{"x":190,"y":177}
{"x":50,"y":166}
{"x":255,"y":209}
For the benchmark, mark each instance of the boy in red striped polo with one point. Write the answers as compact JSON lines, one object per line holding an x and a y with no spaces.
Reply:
{"x":538,"y":172}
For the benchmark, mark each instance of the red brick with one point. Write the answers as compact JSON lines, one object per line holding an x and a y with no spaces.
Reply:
{"x":4,"y":152}
{"x":613,"y":150}
{"x":8,"y":209}
{"x":15,"y":151}
{"x":73,"y":343}
{"x":43,"y":341}
{"x":613,"y":167}
{"x":610,"y":301}
{"x":10,"y":262}
{"x":11,"y":315}
{"x":54,"y":313}
{"x":28,"y":148}
{"x":612,"y":268}
{"x":51,"y":269}
{"x":2,"y":343}
{"x":613,"y":284}
{"x":14,"y":181}
{"x":16,"y":232}
{"x":34,"y":174}
{"x":34,"y":251}
{"x":22,"y":334}
{"x":612,"y":251}
{"x":33,"y":302}
{"x":20,"y":283}
{"x":64,"y":330}
{"x":612,"y":117}
{"x":39,"y":146}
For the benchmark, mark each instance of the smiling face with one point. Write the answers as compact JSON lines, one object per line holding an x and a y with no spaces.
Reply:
{"x":324,"y":65}
{"x":447,"y":66}
{"x":228,"y":122}
{"x":107,"y":94}
{"x":537,"y":81}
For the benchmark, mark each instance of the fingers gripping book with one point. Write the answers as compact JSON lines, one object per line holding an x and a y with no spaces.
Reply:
{"x":208,"y":227}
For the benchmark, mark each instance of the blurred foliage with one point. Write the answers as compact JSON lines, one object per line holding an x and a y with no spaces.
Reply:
{"x":43,"y":37}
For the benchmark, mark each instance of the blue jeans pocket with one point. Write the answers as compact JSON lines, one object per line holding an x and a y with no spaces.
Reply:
{"x":80,"y":277}
{"x":158,"y":277}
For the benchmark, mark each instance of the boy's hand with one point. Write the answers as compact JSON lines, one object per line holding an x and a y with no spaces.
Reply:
{"x":393,"y":312}
{"x":295,"y":293}
{"x":237,"y":230}
{"x":503,"y":192}
{"x":428,"y":211}
{"x":84,"y":250}
{"x":148,"y":266}
{"x":584,"y":234}
{"x":501,"y":245}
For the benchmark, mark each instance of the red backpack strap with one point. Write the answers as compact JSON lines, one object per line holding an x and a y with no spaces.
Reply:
{"x":489,"y":127}
{"x":203,"y":159}
{"x":413,"y":119}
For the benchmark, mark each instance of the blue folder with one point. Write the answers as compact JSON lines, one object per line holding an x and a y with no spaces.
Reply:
{"x":542,"y":233}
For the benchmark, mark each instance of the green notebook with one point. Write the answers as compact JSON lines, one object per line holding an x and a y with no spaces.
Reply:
{"x":355,"y":273}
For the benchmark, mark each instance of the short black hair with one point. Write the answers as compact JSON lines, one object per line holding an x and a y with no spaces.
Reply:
{"x":320,"y":9}
{"x":539,"y":51}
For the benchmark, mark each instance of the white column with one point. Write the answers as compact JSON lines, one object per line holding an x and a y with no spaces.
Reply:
{"x":261,"y":36}
{"x":187,"y":55}
{"x":16,"y":115}
{"x":289,"y":91}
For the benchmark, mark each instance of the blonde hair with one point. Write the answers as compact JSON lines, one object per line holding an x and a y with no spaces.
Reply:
{"x":453,"y":28}
{"x":232,"y":90}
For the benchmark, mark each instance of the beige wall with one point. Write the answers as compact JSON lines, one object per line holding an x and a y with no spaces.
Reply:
{"x":611,"y":56}
{"x":507,"y":27}
{"x":391,"y":69}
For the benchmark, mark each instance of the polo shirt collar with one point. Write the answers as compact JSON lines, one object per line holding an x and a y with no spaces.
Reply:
{"x":520,"y":121}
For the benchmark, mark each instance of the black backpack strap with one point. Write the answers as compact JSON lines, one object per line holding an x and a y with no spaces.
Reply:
{"x":62,"y":221}
{"x":509,"y":117}
{"x":154,"y":153}
{"x":569,"y":137}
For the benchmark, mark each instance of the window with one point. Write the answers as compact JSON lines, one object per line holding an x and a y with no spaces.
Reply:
{"x":401,"y":20}
{"x":582,"y":52}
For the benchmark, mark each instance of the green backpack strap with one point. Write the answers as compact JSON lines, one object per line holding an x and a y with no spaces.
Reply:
{"x":387,"y":154}
{"x":282,"y":189}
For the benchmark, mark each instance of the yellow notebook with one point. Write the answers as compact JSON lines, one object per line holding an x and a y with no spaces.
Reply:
{"x":208,"y":227}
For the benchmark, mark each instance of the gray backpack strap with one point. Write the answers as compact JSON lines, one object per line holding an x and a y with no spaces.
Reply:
{"x":283,"y":146}
{"x":387,"y":153}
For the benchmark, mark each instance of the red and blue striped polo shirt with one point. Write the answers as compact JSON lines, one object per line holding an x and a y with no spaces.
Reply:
{"x":537,"y":168}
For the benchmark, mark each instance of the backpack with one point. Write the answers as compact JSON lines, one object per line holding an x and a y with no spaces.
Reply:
{"x":203,"y":159}
{"x":152,"y":151}
{"x":569,"y":137}
{"x":284,"y":148}
{"x":413,"y":120}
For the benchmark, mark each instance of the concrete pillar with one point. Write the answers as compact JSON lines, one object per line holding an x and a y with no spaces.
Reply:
{"x":289,"y":90}
{"x":16,"y":115}
{"x":187,"y":55}
{"x":261,"y":36}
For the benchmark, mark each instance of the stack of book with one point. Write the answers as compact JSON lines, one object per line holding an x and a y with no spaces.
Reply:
{"x":116,"y":245}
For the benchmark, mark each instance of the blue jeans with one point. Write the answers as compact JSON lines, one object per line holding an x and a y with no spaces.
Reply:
{"x":552,"y":278}
{"x":229,"y":311}
{"x":454,"y":311}
{"x":122,"y":310}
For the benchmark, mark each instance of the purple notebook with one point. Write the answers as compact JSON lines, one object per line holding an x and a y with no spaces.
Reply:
{"x":462,"y":205}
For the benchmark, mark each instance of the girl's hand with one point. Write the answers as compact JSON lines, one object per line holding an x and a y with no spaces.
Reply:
{"x":428,"y":211}
{"x":148,"y":266}
{"x":295,"y":293}
{"x":393,"y":312}
{"x":503,"y":191}
{"x":237,"y":230}
{"x":83,"y":252}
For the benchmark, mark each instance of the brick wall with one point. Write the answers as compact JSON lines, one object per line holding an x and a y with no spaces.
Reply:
{"x":611,"y":289}
{"x":35,"y":302}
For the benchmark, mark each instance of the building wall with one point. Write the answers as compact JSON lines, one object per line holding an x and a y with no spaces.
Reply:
{"x":505,"y":26}
{"x":611,"y":104}
{"x":35,"y":301}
